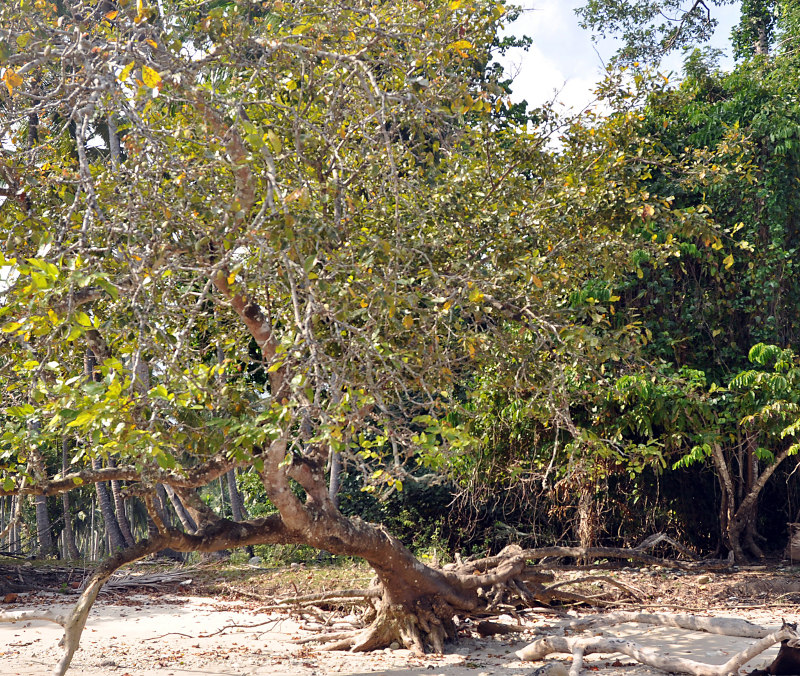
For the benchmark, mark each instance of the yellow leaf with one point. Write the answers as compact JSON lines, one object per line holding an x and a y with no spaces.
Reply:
{"x":12,"y":80}
{"x":152,"y":43}
{"x":728,"y":262}
{"x":111,"y":15}
{"x":126,"y":72}
{"x":408,"y":321}
{"x":459,"y":45}
{"x":150,"y":77}
{"x":536,"y":281}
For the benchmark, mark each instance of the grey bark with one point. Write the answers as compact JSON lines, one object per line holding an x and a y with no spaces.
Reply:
{"x":113,"y":533}
{"x":119,"y":507}
{"x":237,"y":504}
{"x":113,"y":141}
{"x":114,"y":537}
{"x":44,"y":530}
{"x":183,"y":516}
{"x":70,"y":548}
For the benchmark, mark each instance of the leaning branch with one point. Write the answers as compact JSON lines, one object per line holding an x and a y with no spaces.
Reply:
{"x":191,"y":477}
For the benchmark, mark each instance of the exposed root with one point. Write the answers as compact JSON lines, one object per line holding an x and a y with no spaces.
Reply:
{"x":426,"y":626}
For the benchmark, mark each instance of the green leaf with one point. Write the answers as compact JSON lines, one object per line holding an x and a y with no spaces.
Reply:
{"x":83,"y":319}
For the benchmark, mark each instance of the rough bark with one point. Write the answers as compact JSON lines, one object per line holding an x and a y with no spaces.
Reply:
{"x":237,"y":504}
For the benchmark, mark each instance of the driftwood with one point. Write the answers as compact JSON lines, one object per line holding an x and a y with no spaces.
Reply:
{"x":149,"y":581}
{"x":578,"y":646}
{"x":725,"y":626}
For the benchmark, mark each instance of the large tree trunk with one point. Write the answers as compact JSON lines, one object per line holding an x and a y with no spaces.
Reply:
{"x":44,"y":532}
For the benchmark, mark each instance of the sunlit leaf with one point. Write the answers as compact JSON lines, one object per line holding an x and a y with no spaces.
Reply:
{"x":150,"y":77}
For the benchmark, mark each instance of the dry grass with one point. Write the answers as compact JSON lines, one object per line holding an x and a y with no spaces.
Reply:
{"x":263,"y":583}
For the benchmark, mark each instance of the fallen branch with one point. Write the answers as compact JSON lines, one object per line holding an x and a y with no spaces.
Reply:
{"x":658,"y":538}
{"x":638,"y":594}
{"x":725,"y":626}
{"x":580,"y":646}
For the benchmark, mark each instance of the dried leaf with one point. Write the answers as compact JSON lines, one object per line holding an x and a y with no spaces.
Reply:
{"x":12,"y":80}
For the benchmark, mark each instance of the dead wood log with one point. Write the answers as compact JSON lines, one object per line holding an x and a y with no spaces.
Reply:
{"x":580,"y":646}
{"x":725,"y":626}
{"x":638,"y":594}
{"x":488,"y":628}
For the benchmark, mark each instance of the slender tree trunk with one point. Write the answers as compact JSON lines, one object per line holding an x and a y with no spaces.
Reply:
{"x":119,"y":508}
{"x":237,"y":503}
{"x":183,"y":516}
{"x":44,"y":530}
{"x":70,"y":549}
{"x":729,"y":532}
{"x":113,"y":533}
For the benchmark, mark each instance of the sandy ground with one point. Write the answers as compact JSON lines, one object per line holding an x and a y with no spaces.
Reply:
{"x":144,"y":635}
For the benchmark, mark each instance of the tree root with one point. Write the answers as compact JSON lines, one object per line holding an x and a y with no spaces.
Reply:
{"x":424,"y":626}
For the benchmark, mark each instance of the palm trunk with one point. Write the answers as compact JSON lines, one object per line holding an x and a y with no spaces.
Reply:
{"x":70,"y":548}
{"x":119,"y":507}
{"x":112,"y":530}
{"x":183,"y":516}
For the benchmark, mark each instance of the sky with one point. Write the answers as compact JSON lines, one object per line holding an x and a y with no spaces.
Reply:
{"x":564,"y":58}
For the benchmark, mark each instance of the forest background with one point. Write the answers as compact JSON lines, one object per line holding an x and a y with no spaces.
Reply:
{"x":476,"y":323}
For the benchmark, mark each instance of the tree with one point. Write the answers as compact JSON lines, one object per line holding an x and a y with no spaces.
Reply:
{"x":342,"y":188}
{"x":651,"y":28}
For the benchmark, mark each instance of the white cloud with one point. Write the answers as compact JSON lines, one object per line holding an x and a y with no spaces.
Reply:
{"x":564,"y":58}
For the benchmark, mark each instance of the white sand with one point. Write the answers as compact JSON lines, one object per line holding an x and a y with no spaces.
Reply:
{"x":145,"y":635}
